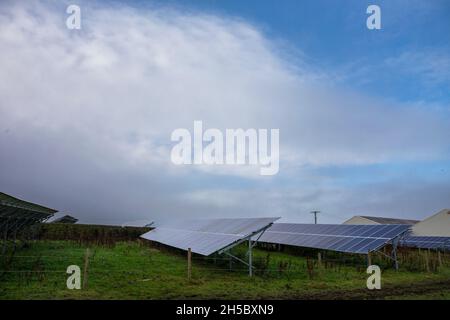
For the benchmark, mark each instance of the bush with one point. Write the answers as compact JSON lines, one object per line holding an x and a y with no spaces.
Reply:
{"x":89,"y":234}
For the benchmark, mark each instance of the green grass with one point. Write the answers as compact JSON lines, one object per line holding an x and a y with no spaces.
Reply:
{"x":134,"y":271}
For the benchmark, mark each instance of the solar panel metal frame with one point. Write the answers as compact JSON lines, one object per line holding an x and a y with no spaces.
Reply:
{"x":208,"y":236}
{"x":360,"y":239}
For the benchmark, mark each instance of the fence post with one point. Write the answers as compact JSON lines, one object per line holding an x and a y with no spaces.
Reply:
{"x":369,"y":259}
{"x":427,"y":262}
{"x":189,"y":264}
{"x":319,"y":259}
{"x":439,"y":258}
{"x":86,"y":266}
{"x":250,"y":263}
{"x":5,"y":238}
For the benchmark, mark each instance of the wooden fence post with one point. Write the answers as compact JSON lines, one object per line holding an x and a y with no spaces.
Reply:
{"x":427,"y":262}
{"x":319,"y":259}
{"x":189,"y":264}
{"x":439,"y":258}
{"x":86,"y":266}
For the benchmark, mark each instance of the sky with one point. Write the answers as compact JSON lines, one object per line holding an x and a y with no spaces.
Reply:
{"x":86,"y":115}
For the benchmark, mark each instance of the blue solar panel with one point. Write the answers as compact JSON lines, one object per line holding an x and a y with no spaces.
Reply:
{"x":206,"y":236}
{"x":425,"y":242}
{"x":343,"y":238}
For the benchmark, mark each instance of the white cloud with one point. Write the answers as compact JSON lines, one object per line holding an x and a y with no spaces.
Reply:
{"x":129,"y":78}
{"x":433,"y":65}
{"x":110,"y":94}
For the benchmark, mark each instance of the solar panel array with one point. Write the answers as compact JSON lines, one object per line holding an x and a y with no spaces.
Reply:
{"x":16,"y":215}
{"x":206,"y":236}
{"x":424,"y":242}
{"x":344,"y":238}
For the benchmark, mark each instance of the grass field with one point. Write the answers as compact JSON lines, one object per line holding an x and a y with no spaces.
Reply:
{"x":131,"y":270}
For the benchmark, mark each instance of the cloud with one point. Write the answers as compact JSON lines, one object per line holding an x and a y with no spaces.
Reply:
{"x":419,"y":77}
{"x":400,"y":198}
{"x":87,"y":115}
{"x":432,"y":65}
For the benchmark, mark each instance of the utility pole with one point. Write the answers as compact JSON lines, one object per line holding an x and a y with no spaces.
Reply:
{"x":315,"y":212}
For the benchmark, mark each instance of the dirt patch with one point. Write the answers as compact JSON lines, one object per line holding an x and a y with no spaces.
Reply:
{"x":420,"y":288}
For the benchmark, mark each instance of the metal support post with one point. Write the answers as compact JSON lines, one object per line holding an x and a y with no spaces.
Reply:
{"x":394,"y":252}
{"x":189,"y":264}
{"x":250,"y":271}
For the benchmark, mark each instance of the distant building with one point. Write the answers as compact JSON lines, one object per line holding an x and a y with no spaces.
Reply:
{"x":378,"y":220}
{"x":65,"y":219}
{"x":137,"y":223}
{"x":437,"y":225}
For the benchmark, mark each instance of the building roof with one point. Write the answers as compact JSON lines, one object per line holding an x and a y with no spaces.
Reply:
{"x":384,"y":220}
{"x":378,"y":220}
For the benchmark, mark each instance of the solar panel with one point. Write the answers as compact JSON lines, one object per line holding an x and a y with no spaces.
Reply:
{"x":206,"y":236}
{"x":425,"y":242}
{"x":12,"y":202}
{"x":16,"y":215}
{"x":65,"y":219}
{"x":343,"y":238}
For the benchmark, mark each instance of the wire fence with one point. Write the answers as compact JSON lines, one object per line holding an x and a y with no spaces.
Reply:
{"x":101,"y":263}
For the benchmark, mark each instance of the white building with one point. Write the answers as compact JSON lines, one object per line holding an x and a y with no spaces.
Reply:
{"x":437,"y":225}
{"x":378,"y":220}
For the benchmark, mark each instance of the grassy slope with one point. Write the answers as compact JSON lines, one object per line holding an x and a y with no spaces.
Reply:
{"x":131,"y":271}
